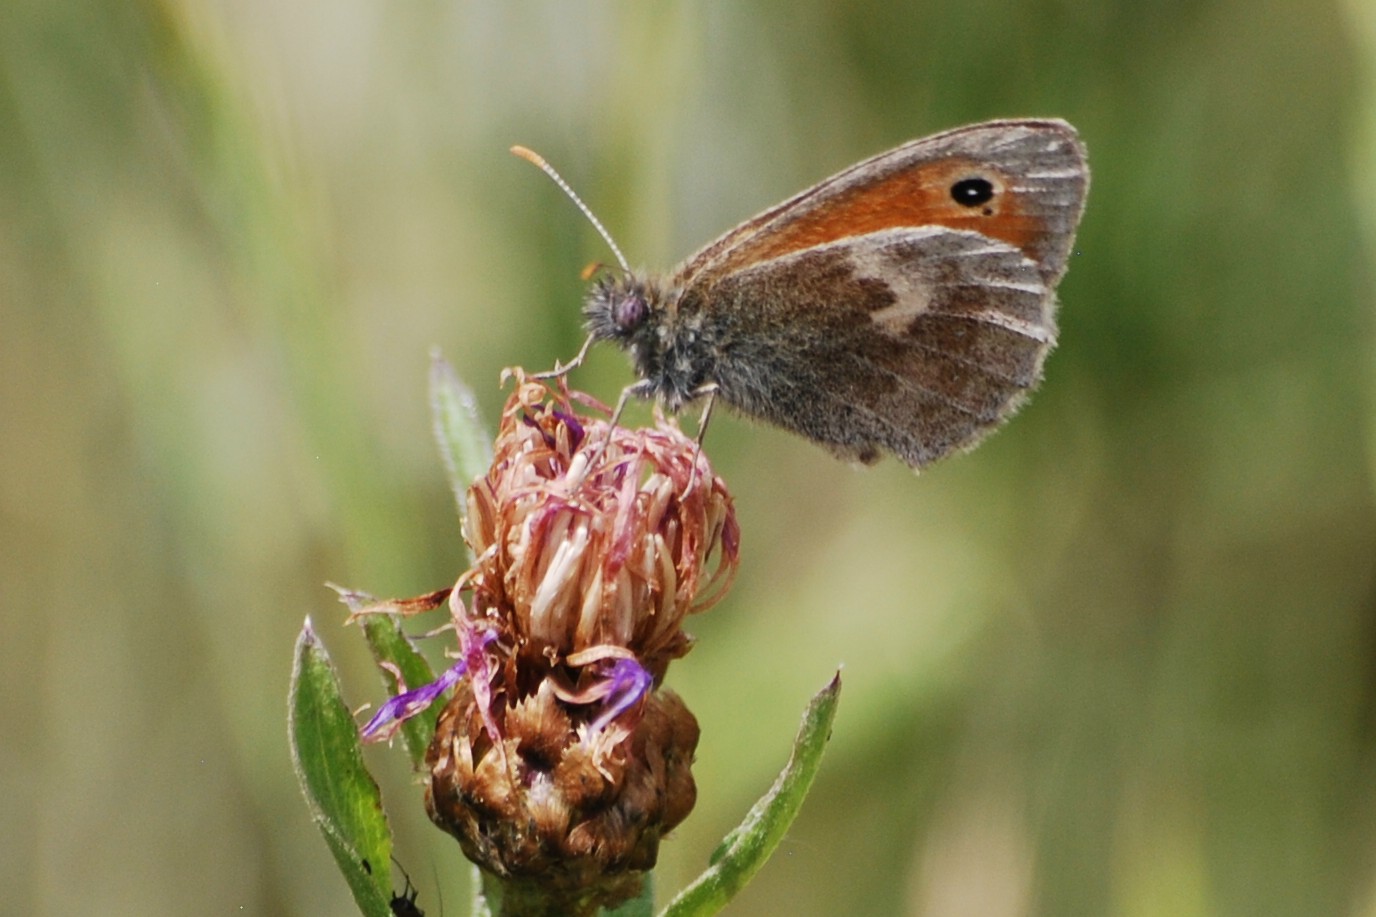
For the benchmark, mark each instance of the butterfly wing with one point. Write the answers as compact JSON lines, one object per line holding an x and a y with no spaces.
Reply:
{"x":1036,"y":172}
{"x":882,"y":310}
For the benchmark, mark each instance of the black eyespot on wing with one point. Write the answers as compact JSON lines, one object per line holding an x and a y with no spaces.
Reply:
{"x":971,"y":192}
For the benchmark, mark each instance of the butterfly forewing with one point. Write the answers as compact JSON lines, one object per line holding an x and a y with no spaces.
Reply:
{"x":1038,"y":180}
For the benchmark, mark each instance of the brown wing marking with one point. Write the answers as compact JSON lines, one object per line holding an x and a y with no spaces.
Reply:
{"x":1037,"y":170}
{"x":918,"y":196}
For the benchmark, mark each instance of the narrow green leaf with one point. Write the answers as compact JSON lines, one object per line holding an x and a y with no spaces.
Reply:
{"x":344,"y":799}
{"x":750,"y":844}
{"x":390,"y":644}
{"x":401,"y":665}
{"x":464,"y":441}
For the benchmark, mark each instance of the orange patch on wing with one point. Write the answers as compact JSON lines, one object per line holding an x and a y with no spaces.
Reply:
{"x":917,"y":196}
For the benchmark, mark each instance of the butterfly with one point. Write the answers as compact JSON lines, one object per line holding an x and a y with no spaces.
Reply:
{"x":905,"y":305}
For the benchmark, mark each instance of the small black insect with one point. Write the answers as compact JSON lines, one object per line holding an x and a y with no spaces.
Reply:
{"x":404,"y":904}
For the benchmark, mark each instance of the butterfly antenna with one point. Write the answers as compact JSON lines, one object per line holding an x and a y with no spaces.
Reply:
{"x":535,"y":158}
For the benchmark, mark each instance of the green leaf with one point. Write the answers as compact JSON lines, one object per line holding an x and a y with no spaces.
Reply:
{"x":390,"y":644}
{"x":750,"y":844}
{"x":464,"y":441}
{"x":402,"y":666}
{"x":344,"y":799}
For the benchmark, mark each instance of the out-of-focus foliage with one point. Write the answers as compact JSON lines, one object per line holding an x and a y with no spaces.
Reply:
{"x":1119,"y":660}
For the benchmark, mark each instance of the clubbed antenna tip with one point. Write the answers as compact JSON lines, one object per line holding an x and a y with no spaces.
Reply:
{"x":535,"y":158}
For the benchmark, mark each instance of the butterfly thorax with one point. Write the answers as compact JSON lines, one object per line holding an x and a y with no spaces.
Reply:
{"x":666,"y":338}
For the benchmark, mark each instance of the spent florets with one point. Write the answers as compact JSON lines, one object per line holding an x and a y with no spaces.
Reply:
{"x":559,"y":763}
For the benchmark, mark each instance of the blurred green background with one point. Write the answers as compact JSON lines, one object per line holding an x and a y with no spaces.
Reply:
{"x":1118,"y":661}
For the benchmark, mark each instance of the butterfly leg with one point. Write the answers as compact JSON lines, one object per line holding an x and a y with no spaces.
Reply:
{"x":563,"y":369}
{"x":709,"y":391}
{"x":639,"y":388}
{"x":626,"y":394}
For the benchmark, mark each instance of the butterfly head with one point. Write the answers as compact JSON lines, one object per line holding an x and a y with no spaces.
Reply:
{"x":618,"y":308}
{"x":667,"y":348}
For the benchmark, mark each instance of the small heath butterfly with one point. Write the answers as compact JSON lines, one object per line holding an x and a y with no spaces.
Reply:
{"x":904,"y":305}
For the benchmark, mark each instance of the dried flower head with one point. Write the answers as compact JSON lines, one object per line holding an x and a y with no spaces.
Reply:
{"x":559,"y":763}
{"x":583,"y":557}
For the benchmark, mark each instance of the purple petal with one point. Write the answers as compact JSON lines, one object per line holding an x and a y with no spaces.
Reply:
{"x":534,"y":424}
{"x":399,"y":709}
{"x":627,"y":682}
{"x":474,"y":639}
{"x":575,"y":428}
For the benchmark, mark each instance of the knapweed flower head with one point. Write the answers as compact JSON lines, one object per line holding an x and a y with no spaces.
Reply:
{"x":590,"y":536}
{"x":559,"y":762}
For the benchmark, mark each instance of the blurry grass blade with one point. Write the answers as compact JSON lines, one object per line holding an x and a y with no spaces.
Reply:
{"x":750,"y":844}
{"x":344,"y":799}
{"x":464,"y":440}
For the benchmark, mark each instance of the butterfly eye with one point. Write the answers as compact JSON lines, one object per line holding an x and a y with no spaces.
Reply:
{"x":630,"y":310}
{"x":971,"y":192}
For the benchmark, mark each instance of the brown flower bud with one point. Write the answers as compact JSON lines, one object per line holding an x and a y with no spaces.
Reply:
{"x":558,"y":764}
{"x":553,"y":811}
